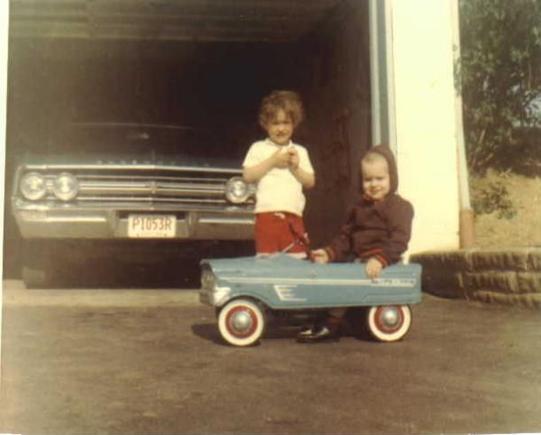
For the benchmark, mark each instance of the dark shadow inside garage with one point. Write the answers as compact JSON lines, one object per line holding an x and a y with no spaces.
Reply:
{"x":205,"y":63}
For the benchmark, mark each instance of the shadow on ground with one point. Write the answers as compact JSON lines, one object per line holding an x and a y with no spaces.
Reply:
{"x":183,"y":274}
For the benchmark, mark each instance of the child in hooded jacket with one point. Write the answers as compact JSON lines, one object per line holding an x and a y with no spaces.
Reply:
{"x":376,"y":233}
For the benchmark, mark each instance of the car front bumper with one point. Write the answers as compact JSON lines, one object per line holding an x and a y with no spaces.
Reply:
{"x":88,"y":222}
{"x":215,"y":296}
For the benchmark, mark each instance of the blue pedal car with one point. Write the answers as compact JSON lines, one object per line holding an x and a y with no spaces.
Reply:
{"x":247,"y":291}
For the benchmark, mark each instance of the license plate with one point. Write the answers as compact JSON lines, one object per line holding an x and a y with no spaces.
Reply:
{"x":152,"y":226}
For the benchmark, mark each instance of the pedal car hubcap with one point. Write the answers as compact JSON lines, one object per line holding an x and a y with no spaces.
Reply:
{"x":389,"y":319}
{"x":241,"y":321}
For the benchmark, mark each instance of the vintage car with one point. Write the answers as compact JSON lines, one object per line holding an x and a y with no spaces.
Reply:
{"x":128,"y":184}
{"x":248,"y":292}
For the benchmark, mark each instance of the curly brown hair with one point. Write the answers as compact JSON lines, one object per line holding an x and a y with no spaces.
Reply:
{"x":288,"y":101}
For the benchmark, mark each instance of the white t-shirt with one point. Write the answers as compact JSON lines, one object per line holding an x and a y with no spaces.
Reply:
{"x":278,"y":189}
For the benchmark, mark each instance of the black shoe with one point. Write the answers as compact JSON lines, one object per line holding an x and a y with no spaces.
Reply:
{"x":314,"y":335}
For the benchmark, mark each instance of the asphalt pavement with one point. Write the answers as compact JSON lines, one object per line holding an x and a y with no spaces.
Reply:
{"x":151,"y":361}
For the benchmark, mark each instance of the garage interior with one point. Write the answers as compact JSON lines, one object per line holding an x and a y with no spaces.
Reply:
{"x":197,"y":62}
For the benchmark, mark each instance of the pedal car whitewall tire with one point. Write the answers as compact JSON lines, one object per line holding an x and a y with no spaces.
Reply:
{"x":241,"y":322}
{"x":389,"y":322}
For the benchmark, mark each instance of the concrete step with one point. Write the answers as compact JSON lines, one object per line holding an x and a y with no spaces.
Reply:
{"x":508,"y":276}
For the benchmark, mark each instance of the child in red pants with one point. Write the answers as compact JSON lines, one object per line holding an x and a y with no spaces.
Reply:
{"x":281,"y":169}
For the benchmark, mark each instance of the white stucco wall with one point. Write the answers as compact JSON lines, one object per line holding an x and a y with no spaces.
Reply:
{"x":425,"y":120}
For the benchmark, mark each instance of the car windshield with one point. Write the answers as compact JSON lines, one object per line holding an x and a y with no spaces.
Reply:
{"x":134,"y":139}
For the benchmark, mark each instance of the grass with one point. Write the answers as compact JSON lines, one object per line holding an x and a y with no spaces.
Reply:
{"x":522,"y":196}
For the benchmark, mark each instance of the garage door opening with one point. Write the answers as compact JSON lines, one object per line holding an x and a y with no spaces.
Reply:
{"x":200,"y":63}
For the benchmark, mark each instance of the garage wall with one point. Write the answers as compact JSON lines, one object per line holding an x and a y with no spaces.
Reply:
{"x":426,"y":124}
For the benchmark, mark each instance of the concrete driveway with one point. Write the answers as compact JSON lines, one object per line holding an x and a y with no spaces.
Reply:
{"x":151,"y":361}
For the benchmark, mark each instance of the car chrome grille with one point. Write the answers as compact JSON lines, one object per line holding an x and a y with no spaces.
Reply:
{"x":141,"y":187}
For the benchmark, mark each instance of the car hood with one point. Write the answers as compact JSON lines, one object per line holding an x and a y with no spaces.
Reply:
{"x":124,"y":159}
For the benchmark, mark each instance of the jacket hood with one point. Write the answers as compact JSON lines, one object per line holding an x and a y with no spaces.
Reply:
{"x":387,"y":153}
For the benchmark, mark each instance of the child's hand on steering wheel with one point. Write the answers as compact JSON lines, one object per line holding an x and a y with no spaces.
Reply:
{"x":373,"y":268}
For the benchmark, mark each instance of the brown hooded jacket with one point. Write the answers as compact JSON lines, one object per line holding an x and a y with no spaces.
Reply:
{"x":380,"y":229}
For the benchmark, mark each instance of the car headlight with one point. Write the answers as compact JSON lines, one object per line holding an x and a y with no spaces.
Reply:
{"x":33,"y":186}
{"x":207,"y":279}
{"x":237,"y":190}
{"x":65,"y":187}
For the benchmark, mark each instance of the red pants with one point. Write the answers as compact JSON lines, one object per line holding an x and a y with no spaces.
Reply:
{"x":280,"y":231}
